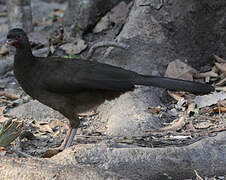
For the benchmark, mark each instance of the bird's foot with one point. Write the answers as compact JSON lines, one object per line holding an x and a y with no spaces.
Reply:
{"x":66,"y":143}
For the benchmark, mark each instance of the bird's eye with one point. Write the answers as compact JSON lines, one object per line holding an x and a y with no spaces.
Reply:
{"x":17,"y":37}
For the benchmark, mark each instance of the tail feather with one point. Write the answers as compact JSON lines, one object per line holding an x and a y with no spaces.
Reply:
{"x":174,"y":84}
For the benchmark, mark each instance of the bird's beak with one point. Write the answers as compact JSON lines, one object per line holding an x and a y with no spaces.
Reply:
{"x":10,"y":42}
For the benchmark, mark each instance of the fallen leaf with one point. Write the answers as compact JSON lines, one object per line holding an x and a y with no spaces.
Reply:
{"x":9,"y":95}
{"x":156,"y":110}
{"x":42,"y":126}
{"x":179,"y":70}
{"x":45,"y":128}
{"x":219,"y":59}
{"x":176,"y":96}
{"x":56,"y":123}
{"x":221,"y":67}
{"x":219,"y":109}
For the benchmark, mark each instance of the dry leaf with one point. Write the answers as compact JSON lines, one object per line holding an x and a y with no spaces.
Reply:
{"x":219,"y":59}
{"x":221,"y":67}
{"x":43,"y":127}
{"x":219,"y":109}
{"x":9,"y":95}
{"x":179,"y":70}
{"x":215,"y":69}
{"x":176,"y":96}
{"x":56,"y":123}
{"x":155,"y":110}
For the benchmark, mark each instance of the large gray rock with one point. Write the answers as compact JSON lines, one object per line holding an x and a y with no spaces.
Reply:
{"x":39,"y":169}
{"x":83,"y":14}
{"x":207,"y":157}
{"x":35,"y":110}
{"x":157,"y":34}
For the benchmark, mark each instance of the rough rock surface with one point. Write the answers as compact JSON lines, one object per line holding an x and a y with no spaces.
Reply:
{"x":157,"y":33}
{"x":156,"y":37}
{"x":83,"y":14}
{"x":35,"y":110}
{"x":85,"y":162}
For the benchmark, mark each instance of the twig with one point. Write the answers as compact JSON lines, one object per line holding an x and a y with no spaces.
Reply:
{"x":206,"y":74}
{"x":175,"y":126}
{"x":104,"y":44}
{"x":198,"y":177}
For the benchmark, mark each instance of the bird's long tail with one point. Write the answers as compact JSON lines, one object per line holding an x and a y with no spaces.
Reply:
{"x":174,"y":84}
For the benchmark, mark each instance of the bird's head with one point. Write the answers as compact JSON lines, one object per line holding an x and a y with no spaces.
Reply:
{"x":17,"y":37}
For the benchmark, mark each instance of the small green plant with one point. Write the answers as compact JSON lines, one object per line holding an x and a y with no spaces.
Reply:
{"x":196,"y":111}
{"x":69,"y":56}
{"x":77,"y":29}
{"x":9,"y":131}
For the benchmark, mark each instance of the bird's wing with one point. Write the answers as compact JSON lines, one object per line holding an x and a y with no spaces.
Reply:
{"x":74,"y":75}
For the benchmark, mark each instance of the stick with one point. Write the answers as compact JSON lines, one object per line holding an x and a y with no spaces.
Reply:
{"x":104,"y":44}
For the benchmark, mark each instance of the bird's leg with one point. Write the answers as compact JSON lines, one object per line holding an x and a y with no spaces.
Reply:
{"x":73,"y":126}
{"x":68,"y":139}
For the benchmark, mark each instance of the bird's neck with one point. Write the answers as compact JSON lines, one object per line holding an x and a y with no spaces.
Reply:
{"x":24,"y":55}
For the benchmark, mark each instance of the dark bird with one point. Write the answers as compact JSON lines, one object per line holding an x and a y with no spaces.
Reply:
{"x":74,"y":86}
